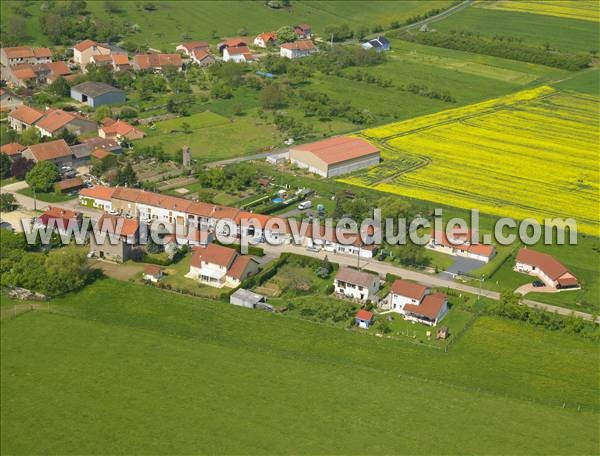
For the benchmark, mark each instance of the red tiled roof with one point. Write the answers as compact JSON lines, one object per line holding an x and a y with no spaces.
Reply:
{"x":430,"y":307}
{"x":24,"y":73}
{"x":146,"y":61}
{"x":339,"y":149}
{"x":355,"y":277}
{"x":59,"y":68}
{"x":54,"y":120}
{"x":461,"y":239}
{"x":194,"y":45}
{"x":235,"y":50}
{"x":245,"y":218}
{"x":152,"y":269}
{"x":111,"y":223}
{"x":267,"y":36}
{"x":117,"y":128}
{"x":300,"y":45}
{"x":26,"y":52}
{"x":100,"y":154}
{"x":67,"y":184}
{"x":102,"y":58}
{"x":26,"y":114}
{"x":215,"y":254}
{"x":12,"y":149}
{"x":98,"y":192}
{"x":85,"y":44}
{"x":239,"y":266}
{"x":409,"y":289}
{"x":235,"y":42}
{"x":364,"y":315}
{"x":120,"y":59}
{"x":200,"y":54}
{"x":547,"y":263}
{"x":58,"y":217}
{"x":50,"y":150}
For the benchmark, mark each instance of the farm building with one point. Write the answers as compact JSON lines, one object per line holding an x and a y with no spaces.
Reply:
{"x":191,"y":46}
{"x":153,"y":273}
{"x":119,"y":130}
{"x":458,"y":243}
{"x":354,"y":284}
{"x":97,"y":94}
{"x":415,"y":302}
{"x":297,"y":49}
{"x":547,"y":268}
{"x":246,"y":298}
{"x":380,"y":44}
{"x":85,"y":50}
{"x":69,"y":185}
{"x":335,"y":156}
{"x":363,"y":319}
{"x":157,"y":62}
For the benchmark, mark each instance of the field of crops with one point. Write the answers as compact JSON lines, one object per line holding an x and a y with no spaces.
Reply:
{"x":580,"y":9}
{"x":529,"y":154}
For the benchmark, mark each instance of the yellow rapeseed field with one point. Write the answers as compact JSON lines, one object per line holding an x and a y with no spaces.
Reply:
{"x":573,"y":9}
{"x":530,"y":154}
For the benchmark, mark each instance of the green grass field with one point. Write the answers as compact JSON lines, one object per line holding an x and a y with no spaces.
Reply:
{"x":561,"y":33}
{"x":136,"y":369}
{"x":171,"y":23}
{"x":51,"y":197}
{"x":585,"y":81}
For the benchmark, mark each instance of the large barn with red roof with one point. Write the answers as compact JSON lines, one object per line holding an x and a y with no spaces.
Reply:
{"x":335,"y":156}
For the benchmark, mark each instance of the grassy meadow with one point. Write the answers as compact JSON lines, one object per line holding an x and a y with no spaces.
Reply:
{"x":559,"y":32}
{"x":185,"y":375}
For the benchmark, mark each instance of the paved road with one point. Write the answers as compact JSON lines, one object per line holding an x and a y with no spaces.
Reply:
{"x":382,"y":268}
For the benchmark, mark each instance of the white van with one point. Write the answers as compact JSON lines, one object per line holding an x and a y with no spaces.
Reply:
{"x":305,"y":205}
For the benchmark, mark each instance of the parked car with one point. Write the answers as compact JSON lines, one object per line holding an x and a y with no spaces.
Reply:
{"x":305,"y":205}
{"x":537,"y":283}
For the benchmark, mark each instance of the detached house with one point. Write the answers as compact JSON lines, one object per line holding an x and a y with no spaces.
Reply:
{"x":297,"y":49}
{"x":22,"y":54}
{"x":358,"y":285}
{"x":191,"y":46}
{"x":24,"y":117}
{"x":220,"y":266}
{"x":416,"y":303}
{"x":57,"y":120}
{"x":202,"y":57}
{"x":458,"y":243}
{"x":60,"y":219}
{"x":119,"y":130}
{"x":547,"y":268}
{"x":238,"y":54}
{"x":303,"y":31}
{"x":85,"y":50}
{"x":232,"y":42}
{"x":57,"y":152}
{"x":265,"y":39}
{"x":13,"y":150}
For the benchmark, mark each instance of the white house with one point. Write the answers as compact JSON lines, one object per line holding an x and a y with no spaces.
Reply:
{"x":297,"y":49}
{"x":458,"y":243}
{"x":191,"y":46}
{"x":98,"y":197}
{"x":153,"y":273}
{"x":358,"y":285}
{"x":404,"y":292}
{"x":84,"y":50}
{"x":265,"y":39}
{"x":548,"y":269}
{"x":219,"y":266}
{"x":238,"y":54}
{"x":416,"y":303}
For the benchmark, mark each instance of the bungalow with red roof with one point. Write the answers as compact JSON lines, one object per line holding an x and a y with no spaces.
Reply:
{"x":415,"y":302}
{"x":191,"y":46}
{"x":238,"y":54}
{"x":202,"y":57}
{"x":547,"y":268}
{"x":335,"y":156}
{"x":157,"y":62}
{"x":363,"y":319}
{"x":119,"y":129}
{"x":297,"y":49}
{"x":265,"y":39}
{"x":13,"y":150}
{"x":355,"y":284}
{"x":24,"y":117}
{"x":22,"y":54}
{"x":232,"y":42}
{"x":56,"y":120}
{"x":114,"y":238}
{"x":220,"y":266}
{"x":458,"y":243}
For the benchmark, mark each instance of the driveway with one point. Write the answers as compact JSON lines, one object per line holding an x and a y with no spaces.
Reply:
{"x":529,"y":288}
{"x":460,"y":266}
